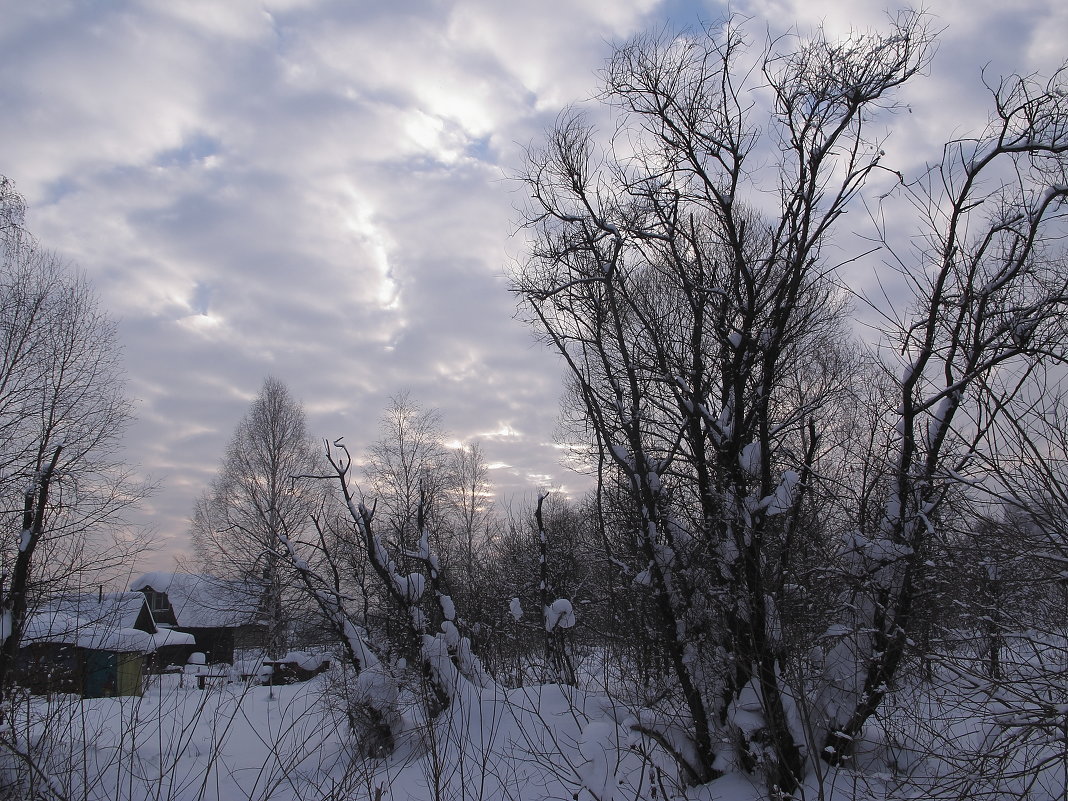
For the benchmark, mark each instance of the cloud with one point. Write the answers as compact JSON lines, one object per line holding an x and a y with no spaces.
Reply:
{"x":319,"y":190}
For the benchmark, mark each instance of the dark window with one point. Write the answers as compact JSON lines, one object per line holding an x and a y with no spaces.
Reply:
{"x":157,"y":601}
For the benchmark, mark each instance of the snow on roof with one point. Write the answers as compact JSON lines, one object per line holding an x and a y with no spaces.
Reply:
{"x":103,"y":622}
{"x":203,"y":601}
{"x":157,"y":580}
{"x":171,"y":637}
{"x":110,"y":610}
{"x":60,"y":628}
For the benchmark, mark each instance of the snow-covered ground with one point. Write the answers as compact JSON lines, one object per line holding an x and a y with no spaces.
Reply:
{"x":241,"y":741}
{"x":244,"y":741}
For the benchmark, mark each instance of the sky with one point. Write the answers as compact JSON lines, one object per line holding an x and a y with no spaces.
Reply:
{"x":323,"y":191}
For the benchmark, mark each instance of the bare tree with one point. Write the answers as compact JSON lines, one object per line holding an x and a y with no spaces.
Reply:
{"x":469,"y":527}
{"x":684,"y":274}
{"x":985,"y":325}
{"x":62,"y":415}
{"x":1012,"y":633}
{"x":263,"y":487}
{"x":426,"y":624}
{"x":690,"y":293}
{"x":555,"y":620}
{"x":407,"y":464}
{"x":12,"y":212}
{"x":468,"y":501}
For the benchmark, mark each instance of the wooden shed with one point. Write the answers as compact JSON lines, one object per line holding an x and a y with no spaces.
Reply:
{"x":93,"y":645}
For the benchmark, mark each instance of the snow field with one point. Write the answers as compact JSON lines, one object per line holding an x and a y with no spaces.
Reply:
{"x":241,"y":741}
{"x":943,"y":738}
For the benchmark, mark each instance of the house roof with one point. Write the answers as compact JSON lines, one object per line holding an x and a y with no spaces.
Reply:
{"x":112,"y":609}
{"x":203,"y":601}
{"x":104,"y":622}
{"x":172,"y":637}
{"x":60,"y":628}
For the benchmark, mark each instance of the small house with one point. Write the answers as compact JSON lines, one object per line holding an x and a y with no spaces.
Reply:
{"x":94,"y":645}
{"x":222,"y":615}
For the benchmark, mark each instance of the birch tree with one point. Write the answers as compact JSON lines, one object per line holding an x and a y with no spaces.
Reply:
{"x":264,"y":487}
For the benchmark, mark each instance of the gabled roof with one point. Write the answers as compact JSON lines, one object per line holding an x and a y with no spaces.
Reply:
{"x":202,"y":601}
{"x":104,"y":622}
{"x":113,"y":609}
{"x":59,"y":628}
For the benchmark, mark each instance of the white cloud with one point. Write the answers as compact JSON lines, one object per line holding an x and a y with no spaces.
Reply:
{"x":317,"y":189}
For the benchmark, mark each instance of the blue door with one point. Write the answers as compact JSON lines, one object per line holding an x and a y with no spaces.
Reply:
{"x":100,"y":674}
